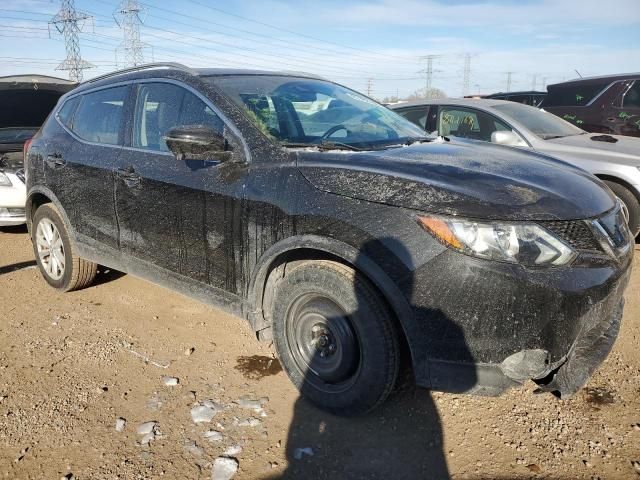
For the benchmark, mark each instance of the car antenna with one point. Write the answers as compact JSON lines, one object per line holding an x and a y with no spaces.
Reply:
{"x":575,"y":70}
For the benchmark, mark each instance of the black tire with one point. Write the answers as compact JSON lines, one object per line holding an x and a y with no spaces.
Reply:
{"x":631,"y":202}
{"x":77,"y":272}
{"x":335,"y":337}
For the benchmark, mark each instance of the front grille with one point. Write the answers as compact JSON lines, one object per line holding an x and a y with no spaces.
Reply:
{"x":20,"y":175}
{"x":576,"y":233}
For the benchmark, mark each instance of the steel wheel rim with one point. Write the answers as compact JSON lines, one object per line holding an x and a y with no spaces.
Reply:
{"x":50,"y":249}
{"x":323,"y":342}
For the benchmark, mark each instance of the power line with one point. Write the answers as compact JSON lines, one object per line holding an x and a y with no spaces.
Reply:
{"x":69,"y":23}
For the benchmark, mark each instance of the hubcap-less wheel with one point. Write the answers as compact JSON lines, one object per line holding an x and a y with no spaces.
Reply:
{"x":50,"y":249}
{"x":323,"y":343}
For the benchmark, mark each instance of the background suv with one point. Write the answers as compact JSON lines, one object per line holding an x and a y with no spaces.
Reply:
{"x":607,"y":104}
{"x":335,"y":228}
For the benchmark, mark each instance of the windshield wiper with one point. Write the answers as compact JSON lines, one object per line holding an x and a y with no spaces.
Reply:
{"x":323,"y":146}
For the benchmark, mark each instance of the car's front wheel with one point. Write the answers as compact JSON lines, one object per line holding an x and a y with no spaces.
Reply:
{"x":59,"y":264}
{"x":631,"y":202}
{"x":335,"y":337}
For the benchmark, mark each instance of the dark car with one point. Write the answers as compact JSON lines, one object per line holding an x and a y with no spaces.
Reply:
{"x":335,"y":228}
{"x":25,"y":102}
{"x":532,"y":97}
{"x":608,"y":104}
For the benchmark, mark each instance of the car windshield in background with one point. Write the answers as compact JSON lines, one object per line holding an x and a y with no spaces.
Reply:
{"x":16,"y":135}
{"x":299,"y":111}
{"x":544,"y":124}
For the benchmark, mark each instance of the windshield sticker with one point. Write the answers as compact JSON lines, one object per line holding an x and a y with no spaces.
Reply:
{"x":579,"y":97}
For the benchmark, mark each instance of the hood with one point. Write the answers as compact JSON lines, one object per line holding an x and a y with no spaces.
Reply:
{"x":26,"y":100}
{"x":476,"y":181}
{"x":623,"y":150}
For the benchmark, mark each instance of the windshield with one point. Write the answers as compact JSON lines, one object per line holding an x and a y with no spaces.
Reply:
{"x":299,"y":111}
{"x":544,"y":124}
{"x":16,"y":135}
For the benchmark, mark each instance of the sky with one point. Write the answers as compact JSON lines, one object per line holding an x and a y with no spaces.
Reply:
{"x":376,"y":47}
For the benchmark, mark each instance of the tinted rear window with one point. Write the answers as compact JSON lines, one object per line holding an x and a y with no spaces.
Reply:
{"x":573,"y":95}
{"x":99,"y":116}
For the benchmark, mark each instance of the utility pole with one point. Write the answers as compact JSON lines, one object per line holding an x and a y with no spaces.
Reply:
{"x":69,"y":22}
{"x":544,"y":83}
{"x":466,"y":79}
{"x":534,"y":82}
{"x":128,"y":17}
{"x":369,"y":86}
{"x":509,"y":81}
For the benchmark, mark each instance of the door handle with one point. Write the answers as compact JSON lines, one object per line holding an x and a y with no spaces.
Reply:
{"x":55,"y":160}
{"x":129,"y":176}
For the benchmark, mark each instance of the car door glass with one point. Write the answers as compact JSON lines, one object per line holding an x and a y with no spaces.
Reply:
{"x":163,"y":106}
{"x":416,"y":115}
{"x":65,"y":114}
{"x":468,"y":123}
{"x":99,"y":116}
{"x":632,"y":97}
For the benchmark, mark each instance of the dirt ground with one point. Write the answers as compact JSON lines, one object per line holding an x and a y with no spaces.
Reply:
{"x":72,"y":364}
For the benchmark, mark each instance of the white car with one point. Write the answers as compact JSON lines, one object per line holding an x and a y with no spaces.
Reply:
{"x":614,"y":159}
{"x":25,"y":102}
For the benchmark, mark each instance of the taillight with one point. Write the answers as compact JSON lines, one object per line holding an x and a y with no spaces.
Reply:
{"x":25,"y":148}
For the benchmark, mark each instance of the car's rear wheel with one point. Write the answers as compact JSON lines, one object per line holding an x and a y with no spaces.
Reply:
{"x":335,"y":337}
{"x":55,"y":255}
{"x":631,"y":202}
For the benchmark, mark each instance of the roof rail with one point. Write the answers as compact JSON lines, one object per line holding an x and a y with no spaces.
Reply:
{"x":147,"y":66}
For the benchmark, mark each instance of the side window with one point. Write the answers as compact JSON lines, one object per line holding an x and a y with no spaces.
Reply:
{"x":65,"y":114}
{"x":163,"y":106}
{"x":573,"y":95}
{"x":99,"y":116}
{"x":416,"y":115}
{"x":632,"y":97}
{"x":468,"y":123}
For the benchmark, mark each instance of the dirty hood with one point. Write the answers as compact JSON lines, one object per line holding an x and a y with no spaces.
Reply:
{"x":625,"y":150}
{"x":477,"y":181}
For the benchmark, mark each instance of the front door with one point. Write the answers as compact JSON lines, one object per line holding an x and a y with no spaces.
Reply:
{"x":176,"y":215}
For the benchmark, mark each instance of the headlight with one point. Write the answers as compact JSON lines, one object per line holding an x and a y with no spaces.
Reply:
{"x":524,"y":243}
{"x":4,"y":180}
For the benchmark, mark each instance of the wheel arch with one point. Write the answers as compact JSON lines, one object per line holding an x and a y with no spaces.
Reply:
{"x":620,"y":181}
{"x":310,"y":247}
{"x":39,"y":196}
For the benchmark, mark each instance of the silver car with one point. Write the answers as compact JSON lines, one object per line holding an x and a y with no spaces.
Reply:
{"x":613,"y":158}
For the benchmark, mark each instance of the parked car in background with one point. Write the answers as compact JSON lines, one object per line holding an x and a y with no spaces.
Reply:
{"x":532,"y":97}
{"x":25,"y":102}
{"x":614,"y":159}
{"x":609,"y":104}
{"x":336,"y":228}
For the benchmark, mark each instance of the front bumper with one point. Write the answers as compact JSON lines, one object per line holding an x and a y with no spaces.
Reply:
{"x":12,"y":201}
{"x":490,"y":326}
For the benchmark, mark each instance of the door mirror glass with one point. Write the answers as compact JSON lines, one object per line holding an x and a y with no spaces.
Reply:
{"x":507,"y":137}
{"x":198,"y":142}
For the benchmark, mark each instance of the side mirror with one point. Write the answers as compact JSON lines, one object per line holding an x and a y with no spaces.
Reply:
{"x":197,"y":142}
{"x":507,"y":137}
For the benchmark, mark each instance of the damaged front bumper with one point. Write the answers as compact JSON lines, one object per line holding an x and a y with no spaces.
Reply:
{"x":490,"y":326}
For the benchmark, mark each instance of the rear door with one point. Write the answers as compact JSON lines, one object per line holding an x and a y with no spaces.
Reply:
{"x":179,"y":216}
{"x":627,"y":110}
{"x":79,"y":156}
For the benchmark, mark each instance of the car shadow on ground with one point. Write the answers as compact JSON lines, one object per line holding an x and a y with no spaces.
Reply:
{"x":401,"y":439}
{"x":17,"y":266}
{"x":15,"y":230}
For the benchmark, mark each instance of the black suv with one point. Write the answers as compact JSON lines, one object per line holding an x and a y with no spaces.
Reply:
{"x":608,"y":104}
{"x":335,"y":228}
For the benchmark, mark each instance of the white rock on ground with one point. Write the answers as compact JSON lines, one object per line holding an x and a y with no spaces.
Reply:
{"x":120,"y":424}
{"x":298,"y":453}
{"x":249,"y":422}
{"x":232,"y":451}
{"x":224,"y":468}
{"x":195,"y":450}
{"x":213,"y":436}
{"x":202,"y":413}
{"x":148,"y":438}
{"x":170,"y":381}
{"x":146,"y":428}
